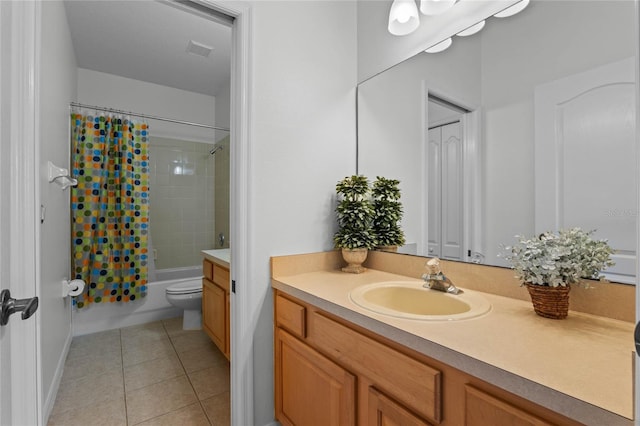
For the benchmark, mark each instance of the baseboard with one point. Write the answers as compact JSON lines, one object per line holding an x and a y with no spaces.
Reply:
{"x":50,"y":400}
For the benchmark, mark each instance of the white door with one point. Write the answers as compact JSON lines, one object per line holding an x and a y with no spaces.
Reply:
{"x":452,"y":192}
{"x":434,"y":189}
{"x":445,"y":192}
{"x":585,"y":158}
{"x":19,"y":399}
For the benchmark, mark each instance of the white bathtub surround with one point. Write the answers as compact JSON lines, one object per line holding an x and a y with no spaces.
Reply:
{"x":182,"y":201}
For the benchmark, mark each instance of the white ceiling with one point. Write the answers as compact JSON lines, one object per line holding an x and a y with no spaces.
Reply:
{"x":147,"y":40}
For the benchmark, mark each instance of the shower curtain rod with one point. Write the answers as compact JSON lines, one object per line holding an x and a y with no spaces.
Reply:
{"x":152,"y":117}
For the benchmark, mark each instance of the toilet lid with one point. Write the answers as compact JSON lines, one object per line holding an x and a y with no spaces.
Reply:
{"x":187,"y":287}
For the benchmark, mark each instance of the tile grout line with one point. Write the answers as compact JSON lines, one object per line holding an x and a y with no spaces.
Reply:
{"x":187,"y":374}
{"x":176,"y":353}
{"x":124,"y":387}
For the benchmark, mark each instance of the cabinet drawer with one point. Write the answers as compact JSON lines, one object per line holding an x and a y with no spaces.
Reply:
{"x":485,"y":409}
{"x":382,"y":411}
{"x":405,"y":379}
{"x":291,"y":316}
{"x":207,"y":269}
{"x":221,"y":277}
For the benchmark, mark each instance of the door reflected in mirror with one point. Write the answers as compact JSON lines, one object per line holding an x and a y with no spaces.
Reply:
{"x":545,"y":138}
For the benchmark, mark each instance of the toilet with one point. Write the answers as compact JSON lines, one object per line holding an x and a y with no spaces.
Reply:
{"x":187,"y":295}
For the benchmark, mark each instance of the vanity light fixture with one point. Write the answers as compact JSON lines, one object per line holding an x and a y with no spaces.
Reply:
{"x":435,"y":7}
{"x":472,"y":29}
{"x":403,"y":17}
{"x":512,"y":10}
{"x":443,"y":45}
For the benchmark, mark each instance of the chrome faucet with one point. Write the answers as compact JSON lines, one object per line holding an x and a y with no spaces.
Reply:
{"x":436,"y":280}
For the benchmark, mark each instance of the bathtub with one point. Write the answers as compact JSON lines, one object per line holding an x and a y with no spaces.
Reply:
{"x":153,"y":307}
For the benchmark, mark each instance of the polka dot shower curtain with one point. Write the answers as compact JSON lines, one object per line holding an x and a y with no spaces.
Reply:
{"x":110,"y":207}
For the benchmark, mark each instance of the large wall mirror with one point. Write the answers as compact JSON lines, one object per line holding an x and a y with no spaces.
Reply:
{"x":527,"y":126}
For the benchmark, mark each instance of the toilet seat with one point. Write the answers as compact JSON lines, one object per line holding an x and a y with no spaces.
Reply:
{"x":188,"y":287}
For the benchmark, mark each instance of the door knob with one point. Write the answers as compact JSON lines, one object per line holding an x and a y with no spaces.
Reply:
{"x":9,"y":305}
{"x":636,"y":338}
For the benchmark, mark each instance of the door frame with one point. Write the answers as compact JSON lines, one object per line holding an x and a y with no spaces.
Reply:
{"x":242,"y":318}
{"x":23,"y":213}
{"x":471,"y":174}
{"x":636,"y":358}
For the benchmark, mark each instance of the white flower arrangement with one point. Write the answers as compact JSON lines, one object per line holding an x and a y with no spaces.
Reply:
{"x":559,"y":259}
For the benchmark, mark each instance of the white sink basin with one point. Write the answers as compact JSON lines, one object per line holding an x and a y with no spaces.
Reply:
{"x":410,"y":300}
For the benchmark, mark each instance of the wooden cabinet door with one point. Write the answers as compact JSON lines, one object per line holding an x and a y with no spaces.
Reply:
{"x":207,"y":316}
{"x":214,"y":304}
{"x":483,"y":409}
{"x":311,"y":389}
{"x":383,"y":411}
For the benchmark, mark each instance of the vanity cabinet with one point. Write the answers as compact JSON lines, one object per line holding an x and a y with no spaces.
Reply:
{"x":485,"y":409}
{"x":215,"y":305}
{"x":331,"y":371}
{"x":312,"y":390}
{"x":383,"y":411}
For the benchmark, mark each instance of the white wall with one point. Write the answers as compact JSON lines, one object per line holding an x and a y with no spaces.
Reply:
{"x":108,"y":90}
{"x":303,"y":142}
{"x":391,"y":120}
{"x":57,"y":89}
{"x":600,"y":32}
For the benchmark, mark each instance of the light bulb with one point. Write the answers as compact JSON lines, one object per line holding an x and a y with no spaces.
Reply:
{"x":435,"y":7}
{"x":403,"y":17}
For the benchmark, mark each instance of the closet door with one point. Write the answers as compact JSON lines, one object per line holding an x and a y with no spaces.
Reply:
{"x":452,"y":192}
{"x":434,"y":191}
{"x":445,"y":186}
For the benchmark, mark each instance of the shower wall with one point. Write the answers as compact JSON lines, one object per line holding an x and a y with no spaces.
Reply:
{"x":182,"y":179}
{"x":222,"y":195}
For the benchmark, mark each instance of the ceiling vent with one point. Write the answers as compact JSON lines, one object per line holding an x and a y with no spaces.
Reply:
{"x":199,"y":49}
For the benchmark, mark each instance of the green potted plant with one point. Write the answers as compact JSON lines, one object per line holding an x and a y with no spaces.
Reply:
{"x":355,"y":215}
{"x":387,"y":214}
{"x":549,"y":263}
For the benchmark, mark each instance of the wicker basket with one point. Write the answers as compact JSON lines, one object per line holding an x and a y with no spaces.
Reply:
{"x":550,"y":302}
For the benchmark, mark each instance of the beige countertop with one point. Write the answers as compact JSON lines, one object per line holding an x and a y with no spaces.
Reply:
{"x":580,"y":367}
{"x":220,"y":256}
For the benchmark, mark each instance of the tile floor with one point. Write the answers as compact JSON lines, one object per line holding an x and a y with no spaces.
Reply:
{"x":150,"y":374}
